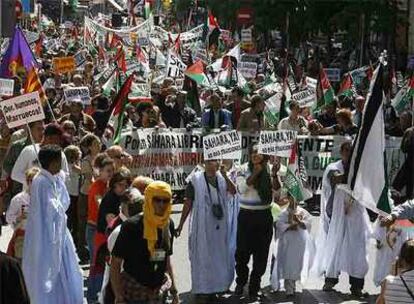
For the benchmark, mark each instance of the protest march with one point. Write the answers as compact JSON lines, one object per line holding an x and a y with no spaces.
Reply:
{"x":194,"y":151}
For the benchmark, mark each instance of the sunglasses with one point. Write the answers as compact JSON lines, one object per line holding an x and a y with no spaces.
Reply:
{"x":161,"y":200}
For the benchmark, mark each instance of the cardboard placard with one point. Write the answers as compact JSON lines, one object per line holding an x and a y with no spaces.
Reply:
{"x":333,"y":74}
{"x":76,"y":93}
{"x":247,"y":69}
{"x":278,"y":143}
{"x":175,"y":67}
{"x":64,"y":64}
{"x":80,"y":58}
{"x":6,"y":87}
{"x":246,"y":36}
{"x":22,"y":110}
{"x":305,"y":98}
{"x":223,"y":145}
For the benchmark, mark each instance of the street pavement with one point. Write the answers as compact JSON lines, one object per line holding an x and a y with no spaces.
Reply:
{"x":309,"y":293}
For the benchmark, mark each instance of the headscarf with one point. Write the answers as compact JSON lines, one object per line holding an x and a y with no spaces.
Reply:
{"x":153,"y":222}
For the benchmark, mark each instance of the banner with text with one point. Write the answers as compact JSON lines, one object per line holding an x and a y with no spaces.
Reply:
{"x":171,"y":155}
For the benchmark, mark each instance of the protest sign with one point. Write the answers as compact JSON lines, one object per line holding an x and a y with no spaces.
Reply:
{"x":223,"y":145}
{"x":247,"y":69}
{"x":311,"y":83}
{"x":143,"y":41}
{"x":305,"y":98}
{"x":31,"y":37}
{"x":277,"y":143}
{"x":22,"y":110}
{"x":318,"y":152}
{"x":249,"y":58}
{"x":76,"y":93}
{"x":175,"y":67}
{"x":6,"y":87}
{"x":246,"y":36}
{"x":80,"y":58}
{"x":63,"y":64}
{"x":333,"y":74}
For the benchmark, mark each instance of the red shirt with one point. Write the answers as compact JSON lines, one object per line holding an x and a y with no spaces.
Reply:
{"x":95,"y":195}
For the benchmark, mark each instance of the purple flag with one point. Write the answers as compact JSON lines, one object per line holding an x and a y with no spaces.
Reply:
{"x":18,"y":56}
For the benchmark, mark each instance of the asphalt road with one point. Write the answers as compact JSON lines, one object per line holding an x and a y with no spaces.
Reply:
{"x":309,"y":293}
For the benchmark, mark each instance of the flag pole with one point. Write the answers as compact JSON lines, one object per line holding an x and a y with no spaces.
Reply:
{"x":33,"y":143}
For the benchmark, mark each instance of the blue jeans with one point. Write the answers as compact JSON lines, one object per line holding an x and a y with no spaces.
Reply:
{"x":90,"y":239}
{"x":94,"y":286}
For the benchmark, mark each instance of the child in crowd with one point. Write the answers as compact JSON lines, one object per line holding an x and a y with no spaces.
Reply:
{"x":108,"y":211}
{"x":16,"y":216}
{"x":295,"y":247}
{"x":97,"y":191}
{"x":90,"y":146}
{"x":73,"y":155}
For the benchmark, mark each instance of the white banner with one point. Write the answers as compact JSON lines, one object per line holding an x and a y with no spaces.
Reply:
{"x":22,"y":110}
{"x":171,"y":155}
{"x":318,"y":152}
{"x":168,"y":155}
{"x":277,"y":143}
{"x":74,"y":93}
{"x":6,"y":87}
{"x":223,"y":145}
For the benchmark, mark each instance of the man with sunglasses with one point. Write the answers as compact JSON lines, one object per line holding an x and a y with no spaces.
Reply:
{"x":141,"y":270}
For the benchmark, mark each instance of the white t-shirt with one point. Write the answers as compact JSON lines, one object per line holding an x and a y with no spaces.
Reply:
{"x":72,"y":182}
{"x":18,"y":205}
{"x":248,"y":194}
{"x":28,"y":159}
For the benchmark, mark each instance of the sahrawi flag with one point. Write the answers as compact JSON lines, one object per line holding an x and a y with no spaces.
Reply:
{"x":325,"y":93}
{"x":367,"y":178}
{"x":293,"y":181}
{"x":404,"y":98}
{"x":118,"y":109}
{"x":347,"y":87}
{"x":196,"y":73}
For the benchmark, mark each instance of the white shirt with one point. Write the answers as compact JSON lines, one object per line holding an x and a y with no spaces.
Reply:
{"x":299,"y":126}
{"x":248,"y":194}
{"x":28,"y":159}
{"x":72,"y":182}
{"x":19,"y":204}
